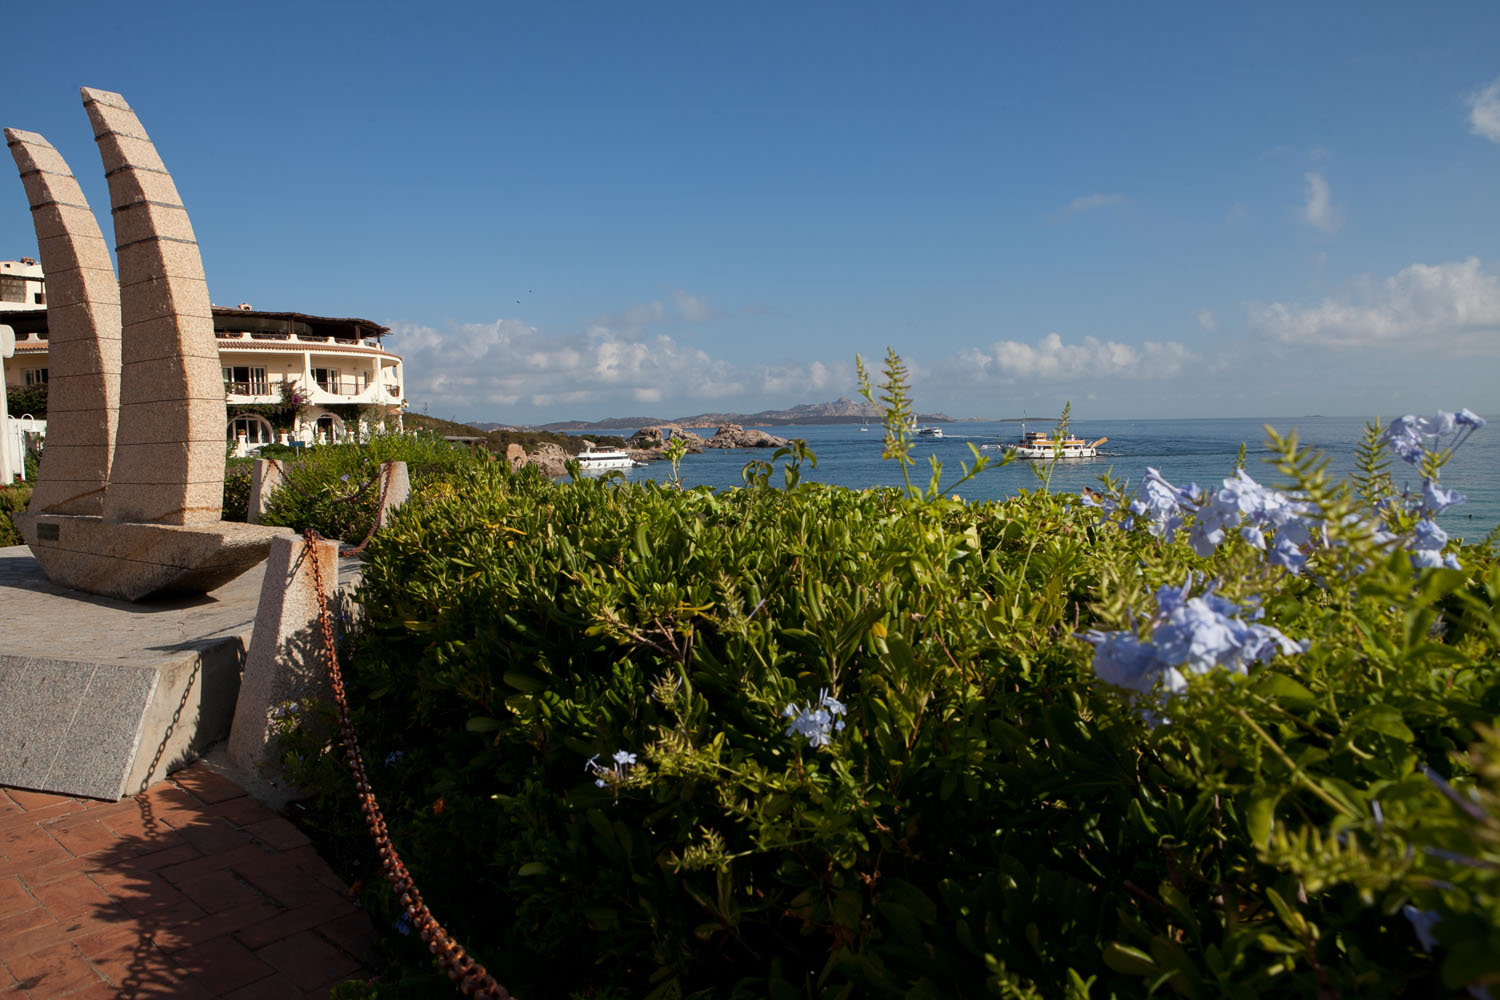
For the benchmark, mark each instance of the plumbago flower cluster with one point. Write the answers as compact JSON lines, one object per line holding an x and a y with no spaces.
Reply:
{"x":815,"y":721}
{"x":1240,"y":503}
{"x":617,"y":774}
{"x":1427,"y":443}
{"x":1197,"y":634}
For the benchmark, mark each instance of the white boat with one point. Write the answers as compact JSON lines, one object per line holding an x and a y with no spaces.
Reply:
{"x":1042,"y":445}
{"x":593,"y":459}
{"x":930,"y":432}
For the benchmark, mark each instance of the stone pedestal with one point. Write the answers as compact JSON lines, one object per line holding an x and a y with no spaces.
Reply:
{"x":286,"y":662}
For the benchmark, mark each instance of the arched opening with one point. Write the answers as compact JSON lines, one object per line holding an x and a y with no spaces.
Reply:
{"x":256,"y":429}
{"x":328,"y":428}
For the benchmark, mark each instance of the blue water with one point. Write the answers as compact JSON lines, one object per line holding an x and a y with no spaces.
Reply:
{"x":1201,"y":451}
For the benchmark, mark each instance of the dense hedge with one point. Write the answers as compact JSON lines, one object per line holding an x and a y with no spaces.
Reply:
{"x":634,"y":741}
{"x":336,"y":489}
{"x":13,"y":499}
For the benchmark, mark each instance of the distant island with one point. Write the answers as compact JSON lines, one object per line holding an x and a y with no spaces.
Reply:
{"x":839,"y":411}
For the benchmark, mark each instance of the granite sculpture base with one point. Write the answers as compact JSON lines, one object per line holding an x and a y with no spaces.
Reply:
{"x":101,"y":697}
{"x":136,"y":562}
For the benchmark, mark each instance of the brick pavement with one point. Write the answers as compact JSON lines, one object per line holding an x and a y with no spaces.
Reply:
{"x":189,"y":890}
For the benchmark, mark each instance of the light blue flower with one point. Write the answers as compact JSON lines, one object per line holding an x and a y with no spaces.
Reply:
{"x":1242,"y":503}
{"x":1407,"y":435}
{"x":1161,"y":504}
{"x":617,"y":774}
{"x":1424,"y":922}
{"x":816,"y":722}
{"x":1405,"y":438}
{"x":1122,"y":659}
{"x":1426,"y":543}
{"x":1189,"y":633}
{"x":1435,"y":499}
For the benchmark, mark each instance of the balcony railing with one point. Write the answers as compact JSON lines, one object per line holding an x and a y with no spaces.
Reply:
{"x":294,"y":338}
{"x":248,"y":388}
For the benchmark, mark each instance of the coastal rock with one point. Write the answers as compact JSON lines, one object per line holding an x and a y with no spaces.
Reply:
{"x":550,"y":460}
{"x":648,"y":437}
{"x":657,"y":436}
{"x":515,"y":455}
{"x":735,"y":436}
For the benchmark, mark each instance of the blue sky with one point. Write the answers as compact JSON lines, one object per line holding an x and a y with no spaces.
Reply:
{"x":590,"y":209}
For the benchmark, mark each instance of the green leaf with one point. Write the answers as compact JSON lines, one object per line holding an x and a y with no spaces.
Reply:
{"x":1386,"y":719}
{"x":1284,"y":690}
{"x":1259,"y":813}
{"x":523,"y":682}
{"x":1130,"y":961}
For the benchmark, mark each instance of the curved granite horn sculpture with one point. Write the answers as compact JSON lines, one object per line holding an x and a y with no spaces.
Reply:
{"x":83,"y":333}
{"x":130,"y":508}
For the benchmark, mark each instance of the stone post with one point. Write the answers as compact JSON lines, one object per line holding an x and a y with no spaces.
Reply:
{"x":265,"y":478}
{"x":287,"y":662}
{"x":397,"y":484}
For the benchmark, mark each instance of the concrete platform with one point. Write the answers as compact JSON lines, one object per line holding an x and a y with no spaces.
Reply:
{"x":101,"y":697}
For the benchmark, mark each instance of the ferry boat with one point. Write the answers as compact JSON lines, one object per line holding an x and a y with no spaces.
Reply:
{"x":593,"y":459}
{"x":930,"y":432}
{"x":1041,"y":445}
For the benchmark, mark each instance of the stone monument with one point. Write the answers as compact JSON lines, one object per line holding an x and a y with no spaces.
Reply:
{"x":128,"y":496}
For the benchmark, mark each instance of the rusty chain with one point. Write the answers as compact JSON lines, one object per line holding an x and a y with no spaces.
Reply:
{"x":469,"y":975}
{"x":387,"y":473}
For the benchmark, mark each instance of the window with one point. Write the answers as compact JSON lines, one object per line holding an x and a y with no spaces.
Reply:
{"x":36,"y":376}
{"x":327,"y":379}
{"x":245,"y":380}
{"x":12,"y":289}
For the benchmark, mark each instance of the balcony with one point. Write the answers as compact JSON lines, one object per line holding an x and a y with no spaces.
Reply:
{"x":256,"y":388}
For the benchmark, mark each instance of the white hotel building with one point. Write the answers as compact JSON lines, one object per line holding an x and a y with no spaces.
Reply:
{"x":339,"y":365}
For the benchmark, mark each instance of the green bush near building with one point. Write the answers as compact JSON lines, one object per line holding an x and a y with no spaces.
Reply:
{"x":13,"y":499}
{"x":634,"y":741}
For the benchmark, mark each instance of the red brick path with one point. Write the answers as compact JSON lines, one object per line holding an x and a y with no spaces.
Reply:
{"x":189,"y":890}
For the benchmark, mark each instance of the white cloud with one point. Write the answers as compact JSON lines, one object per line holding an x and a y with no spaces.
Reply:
{"x":1457,"y":303}
{"x":1484,"y":111}
{"x":1207,"y":321}
{"x":1093,"y":201}
{"x":691,"y":307}
{"x":1049,"y":359}
{"x":798,"y":381}
{"x":634,"y":320}
{"x":1319,"y":211}
{"x":506,"y":370}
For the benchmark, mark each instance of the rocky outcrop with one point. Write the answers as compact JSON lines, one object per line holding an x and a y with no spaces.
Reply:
{"x":550,"y":460}
{"x":735,"y":436}
{"x":657,"y":436}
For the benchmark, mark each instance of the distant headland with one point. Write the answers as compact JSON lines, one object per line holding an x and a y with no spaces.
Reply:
{"x":839,"y":411}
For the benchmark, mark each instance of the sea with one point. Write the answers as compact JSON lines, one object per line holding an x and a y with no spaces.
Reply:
{"x":1198,"y":451}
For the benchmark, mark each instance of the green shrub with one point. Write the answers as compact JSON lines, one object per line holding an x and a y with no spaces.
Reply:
{"x":634,"y":741}
{"x":237,"y":489}
{"x":335,"y":489}
{"x":13,"y":499}
{"x":28,"y":399}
